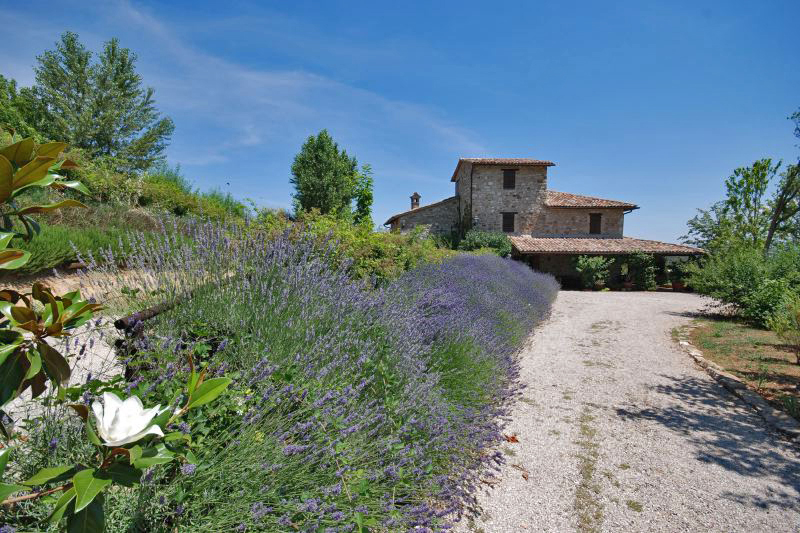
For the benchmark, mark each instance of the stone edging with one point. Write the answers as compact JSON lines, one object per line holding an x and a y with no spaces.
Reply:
{"x":774,"y":418}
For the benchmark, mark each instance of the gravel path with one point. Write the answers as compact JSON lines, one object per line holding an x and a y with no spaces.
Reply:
{"x":619,"y":431}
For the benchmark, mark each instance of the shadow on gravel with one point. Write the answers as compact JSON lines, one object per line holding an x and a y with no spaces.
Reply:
{"x":728,"y":435}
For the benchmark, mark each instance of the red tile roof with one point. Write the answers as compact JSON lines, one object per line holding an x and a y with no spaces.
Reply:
{"x":511,"y":161}
{"x":420,"y":208}
{"x":525,"y":244}
{"x":569,"y":200}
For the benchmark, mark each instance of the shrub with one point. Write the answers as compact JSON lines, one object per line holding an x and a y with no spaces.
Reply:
{"x":642,"y":270}
{"x":352,"y":408}
{"x":786,"y":323}
{"x":477,"y":239}
{"x":755,"y":285}
{"x":593,"y":269}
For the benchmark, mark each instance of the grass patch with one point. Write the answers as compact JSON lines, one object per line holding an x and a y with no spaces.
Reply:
{"x":633,"y":505}
{"x":759,"y":357}
{"x":587,"y":496}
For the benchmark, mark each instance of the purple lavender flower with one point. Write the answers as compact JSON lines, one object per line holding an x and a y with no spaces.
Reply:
{"x":188,"y":469}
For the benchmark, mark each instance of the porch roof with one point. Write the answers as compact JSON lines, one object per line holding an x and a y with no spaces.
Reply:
{"x":525,"y":244}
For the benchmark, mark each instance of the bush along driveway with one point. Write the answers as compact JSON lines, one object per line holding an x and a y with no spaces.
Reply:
{"x":619,"y":430}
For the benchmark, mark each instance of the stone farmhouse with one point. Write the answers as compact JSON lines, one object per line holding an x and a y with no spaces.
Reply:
{"x":547,"y":228}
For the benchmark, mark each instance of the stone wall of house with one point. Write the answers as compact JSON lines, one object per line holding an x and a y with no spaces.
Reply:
{"x":463,"y":184}
{"x":573,"y":222}
{"x":442,"y":218}
{"x":490,"y":200}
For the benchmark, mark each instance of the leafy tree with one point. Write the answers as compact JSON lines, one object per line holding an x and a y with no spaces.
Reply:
{"x":99,"y":106}
{"x":363,"y":194}
{"x":327,"y":179}
{"x":746,"y":204}
{"x":12,"y":109}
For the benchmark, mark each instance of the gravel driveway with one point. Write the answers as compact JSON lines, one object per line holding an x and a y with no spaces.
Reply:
{"x":619,"y":431}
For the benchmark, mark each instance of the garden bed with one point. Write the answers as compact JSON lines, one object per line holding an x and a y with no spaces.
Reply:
{"x":758,"y":357}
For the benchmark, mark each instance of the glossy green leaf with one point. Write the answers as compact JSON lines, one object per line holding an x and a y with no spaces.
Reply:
{"x":20,"y":152}
{"x":7,"y":489}
{"x":33,"y":171}
{"x":5,"y":238}
{"x":50,"y":207}
{"x":74,"y":184}
{"x":154,"y":456}
{"x":6,"y":179}
{"x":23,"y":314}
{"x":54,"y":363}
{"x":209,"y":391}
{"x":47,"y":474}
{"x":13,"y":258}
{"x":12,"y":374}
{"x":53,"y":149}
{"x":8,"y":349}
{"x":89,"y":520}
{"x":135,"y":453}
{"x":46,"y":181}
{"x":91,"y":433}
{"x":35,"y":361}
{"x":61,"y":505}
{"x":88,"y":484}
{"x":124,"y":474}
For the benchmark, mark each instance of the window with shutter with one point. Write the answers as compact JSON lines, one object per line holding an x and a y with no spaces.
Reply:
{"x":508,"y":222}
{"x":595,"y":223}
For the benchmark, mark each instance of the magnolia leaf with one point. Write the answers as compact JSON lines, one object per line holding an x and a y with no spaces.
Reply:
{"x":154,"y":456}
{"x":6,"y":179}
{"x":7,"y":489}
{"x":49,"y":207}
{"x":91,"y":433}
{"x":89,"y":520}
{"x":61,"y":505}
{"x":46,"y":475}
{"x":125,"y":475}
{"x":37,"y":383}
{"x":8,"y":349}
{"x":12,"y":258}
{"x":88,"y":484}
{"x":23,"y":314}
{"x":46,"y":181}
{"x":72,"y":184}
{"x":12,"y":374}
{"x":51,"y":149}
{"x":33,"y":171}
{"x":209,"y":391}
{"x":19,"y":152}
{"x":5,"y":238}
{"x":35,"y":361}
{"x":5,"y":453}
{"x":54,"y":363}
{"x":135,"y":453}
{"x":82,"y":410}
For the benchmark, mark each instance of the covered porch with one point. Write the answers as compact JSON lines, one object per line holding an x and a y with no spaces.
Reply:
{"x":557,"y":255}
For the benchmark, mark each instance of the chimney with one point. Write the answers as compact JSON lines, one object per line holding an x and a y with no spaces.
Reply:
{"x":415,"y":200}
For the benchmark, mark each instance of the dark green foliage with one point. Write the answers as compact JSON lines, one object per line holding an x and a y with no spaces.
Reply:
{"x":755,"y":285}
{"x":593,"y":269}
{"x":642,"y":271}
{"x":327,"y":179}
{"x":12,"y":109}
{"x":99,"y":106}
{"x":477,"y":239}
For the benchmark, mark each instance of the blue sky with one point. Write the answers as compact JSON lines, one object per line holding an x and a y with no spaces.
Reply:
{"x":649,"y":102}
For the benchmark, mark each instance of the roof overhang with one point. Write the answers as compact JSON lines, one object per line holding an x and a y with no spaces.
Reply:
{"x":504,"y":161}
{"x":528,"y":245}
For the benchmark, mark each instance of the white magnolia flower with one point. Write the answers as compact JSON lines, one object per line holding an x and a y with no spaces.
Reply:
{"x":121,"y":422}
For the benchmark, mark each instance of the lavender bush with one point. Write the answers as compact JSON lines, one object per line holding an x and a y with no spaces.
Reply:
{"x":353,"y":408}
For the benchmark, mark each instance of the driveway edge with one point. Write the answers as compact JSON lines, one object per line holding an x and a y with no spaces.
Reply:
{"x":775,"y":418}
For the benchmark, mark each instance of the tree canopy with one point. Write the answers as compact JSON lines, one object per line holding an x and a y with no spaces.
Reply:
{"x":327,"y":179}
{"x":98,"y":105}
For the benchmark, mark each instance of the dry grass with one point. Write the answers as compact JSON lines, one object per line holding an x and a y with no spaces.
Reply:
{"x":757,"y":356}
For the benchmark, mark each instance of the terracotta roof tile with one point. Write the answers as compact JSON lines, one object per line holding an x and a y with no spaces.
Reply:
{"x":525,"y":244}
{"x":569,"y":200}
{"x":511,"y":161}
{"x":420,"y":208}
